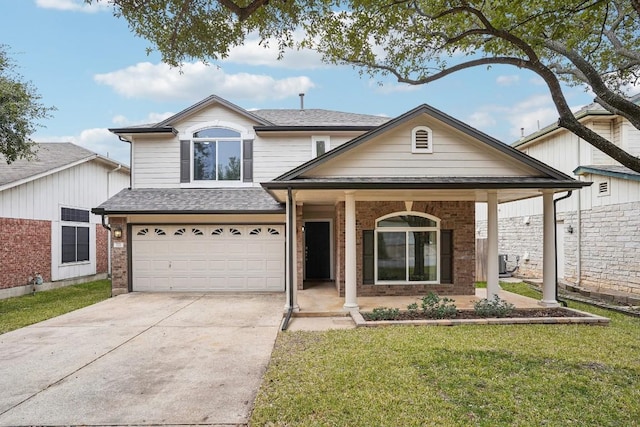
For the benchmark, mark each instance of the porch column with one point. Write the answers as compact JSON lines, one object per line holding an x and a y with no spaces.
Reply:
{"x":291,"y":280}
{"x":493,"y":285}
{"x":350,"y":291}
{"x":548,"y":252}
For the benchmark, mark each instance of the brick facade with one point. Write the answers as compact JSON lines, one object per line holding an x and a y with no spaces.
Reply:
{"x":456,"y":216}
{"x":102,"y":249}
{"x":610,"y":246}
{"x":119,"y":258}
{"x":25,"y":249}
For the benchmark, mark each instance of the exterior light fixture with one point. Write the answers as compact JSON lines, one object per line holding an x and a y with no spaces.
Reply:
{"x":117,"y":232}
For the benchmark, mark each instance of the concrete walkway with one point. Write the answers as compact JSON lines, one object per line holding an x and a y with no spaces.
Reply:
{"x":141,"y":359}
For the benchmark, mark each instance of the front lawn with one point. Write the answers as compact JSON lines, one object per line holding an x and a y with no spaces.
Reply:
{"x":503,"y":375}
{"x":26,"y":310}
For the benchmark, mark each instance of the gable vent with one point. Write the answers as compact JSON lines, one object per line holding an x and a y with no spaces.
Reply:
{"x":603,"y":188}
{"x":421,"y":140}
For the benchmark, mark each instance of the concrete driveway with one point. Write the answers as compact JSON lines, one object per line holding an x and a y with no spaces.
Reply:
{"x":141,"y":359}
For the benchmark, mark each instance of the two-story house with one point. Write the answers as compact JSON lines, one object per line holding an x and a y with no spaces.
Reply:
{"x":226,"y":199}
{"x":598,"y":227}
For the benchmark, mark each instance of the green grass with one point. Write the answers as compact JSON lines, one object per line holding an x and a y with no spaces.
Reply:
{"x":502,"y":375}
{"x":26,"y":310}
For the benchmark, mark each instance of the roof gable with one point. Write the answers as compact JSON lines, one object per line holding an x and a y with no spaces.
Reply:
{"x":207,"y":103}
{"x":49,"y":158}
{"x":366,"y":152}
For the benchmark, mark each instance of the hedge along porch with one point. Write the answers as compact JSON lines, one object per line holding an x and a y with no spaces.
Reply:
{"x":400,"y":201}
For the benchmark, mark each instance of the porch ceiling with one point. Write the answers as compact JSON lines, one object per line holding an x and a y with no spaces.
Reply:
{"x":331,"y":196}
{"x":467,"y":188}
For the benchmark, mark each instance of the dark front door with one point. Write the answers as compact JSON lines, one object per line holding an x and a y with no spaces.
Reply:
{"x":317,"y":248}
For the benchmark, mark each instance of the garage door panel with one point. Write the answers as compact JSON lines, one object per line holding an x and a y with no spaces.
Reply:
{"x":208,"y":258}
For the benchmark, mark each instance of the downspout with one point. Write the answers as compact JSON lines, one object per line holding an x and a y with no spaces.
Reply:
{"x":579,"y":228}
{"x":290,"y":236}
{"x":109,"y":228}
{"x":555,"y":243}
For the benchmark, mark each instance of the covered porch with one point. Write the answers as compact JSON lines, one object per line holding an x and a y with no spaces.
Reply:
{"x":320,"y":299}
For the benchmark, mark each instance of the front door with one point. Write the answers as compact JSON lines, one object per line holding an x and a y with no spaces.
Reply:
{"x":317,"y":249}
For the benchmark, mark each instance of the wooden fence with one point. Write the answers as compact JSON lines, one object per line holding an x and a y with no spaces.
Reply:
{"x":481,"y":260}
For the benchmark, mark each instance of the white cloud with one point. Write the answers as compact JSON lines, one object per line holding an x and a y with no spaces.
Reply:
{"x":389,"y":88}
{"x":151,"y":118}
{"x":481,"y":119}
{"x":251,"y":52}
{"x":528,"y":116}
{"x":73,"y":5}
{"x":507,"y":80}
{"x":161,"y":82}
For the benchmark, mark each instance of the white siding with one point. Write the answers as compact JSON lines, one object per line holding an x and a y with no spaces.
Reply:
{"x":620,"y":191}
{"x":156,"y":163}
{"x":83,"y":186}
{"x":211,"y":115}
{"x":605,"y":129}
{"x":454,"y":154}
{"x":273,"y":156}
{"x":630,"y":138}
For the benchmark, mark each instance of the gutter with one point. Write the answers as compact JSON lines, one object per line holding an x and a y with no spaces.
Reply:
{"x":285,"y":322}
{"x":555,"y":244}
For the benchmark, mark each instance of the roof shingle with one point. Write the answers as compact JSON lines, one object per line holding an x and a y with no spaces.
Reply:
{"x":191,"y":200}
{"x":49,"y":156}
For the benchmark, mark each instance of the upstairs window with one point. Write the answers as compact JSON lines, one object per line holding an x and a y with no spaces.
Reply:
{"x":217,"y":155}
{"x":421,"y":140}
{"x":319,"y":145}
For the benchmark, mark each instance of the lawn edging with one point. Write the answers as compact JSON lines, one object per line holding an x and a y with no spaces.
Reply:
{"x":584,"y":318}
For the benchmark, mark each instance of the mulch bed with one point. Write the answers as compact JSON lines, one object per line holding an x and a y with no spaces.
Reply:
{"x":470,"y":314}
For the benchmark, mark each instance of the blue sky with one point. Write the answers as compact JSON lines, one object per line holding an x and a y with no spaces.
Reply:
{"x":87,"y":64}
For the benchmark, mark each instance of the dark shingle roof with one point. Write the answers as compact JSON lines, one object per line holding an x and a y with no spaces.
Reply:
{"x":49,"y":156}
{"x":317,"y":117}
{"x":615,"y":171}
{"x":191,"y":200}
{"x":428,"y":182}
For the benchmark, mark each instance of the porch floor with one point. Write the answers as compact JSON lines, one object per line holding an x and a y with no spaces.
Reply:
{"x":321,"y":309}
{"x":322,"y":300}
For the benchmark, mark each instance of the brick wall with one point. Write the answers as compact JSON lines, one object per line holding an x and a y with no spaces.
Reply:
{"x":610,"y":246}
{"x":119,"y":259}
{"x":456,"y":216}
{"x":25,"y":248}
{"x":102,"y":249}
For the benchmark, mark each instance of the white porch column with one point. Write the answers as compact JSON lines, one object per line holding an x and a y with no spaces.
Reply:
{"x":548,"y":252}
{"x":350,"y":291}
{"x":493,"y":285}
{"x":291,"y":263}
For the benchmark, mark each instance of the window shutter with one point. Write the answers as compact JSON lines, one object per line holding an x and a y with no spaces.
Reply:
{"x":446,"y":256}
{"x":185,"y":161}
{"x":367,"y":257}
{"x":247,"y":160}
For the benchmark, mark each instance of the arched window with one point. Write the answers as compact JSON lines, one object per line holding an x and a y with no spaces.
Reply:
{"x":407,"y":248}
{"x":217,"y":154}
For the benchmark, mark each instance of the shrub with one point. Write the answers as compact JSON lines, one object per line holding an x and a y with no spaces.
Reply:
{"x":496,"y":307}
{"x":383,"y":313}
{"x":438,"y":308}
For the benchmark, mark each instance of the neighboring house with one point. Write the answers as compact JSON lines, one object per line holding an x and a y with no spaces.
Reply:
{"x":46,"y":226}
{"x":598,"y":227}
{"x":226,"y":199}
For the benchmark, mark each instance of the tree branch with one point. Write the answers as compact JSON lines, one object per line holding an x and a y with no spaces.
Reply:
{"x":620,"y":104}
{"x":243,"y":12}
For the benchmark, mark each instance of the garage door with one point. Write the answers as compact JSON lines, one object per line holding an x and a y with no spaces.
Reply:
{"x":208,"y":258}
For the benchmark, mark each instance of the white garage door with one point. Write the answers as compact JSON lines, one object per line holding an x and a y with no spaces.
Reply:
{"x":208,"y":258}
